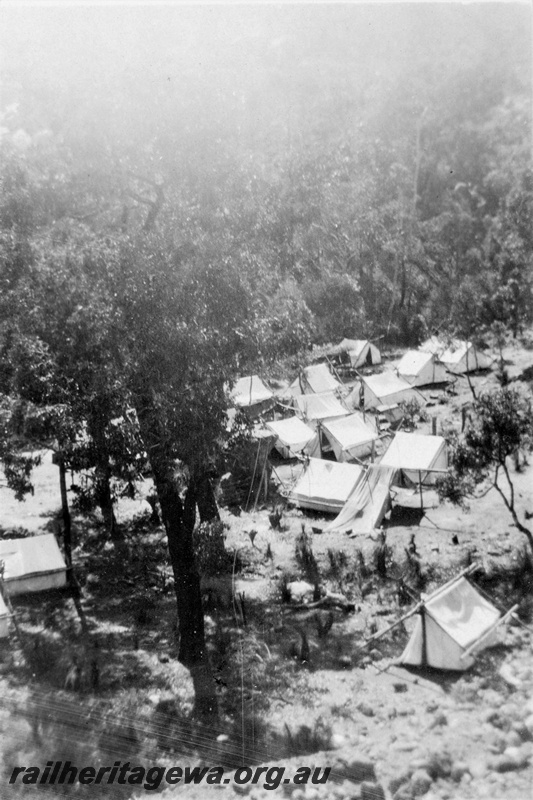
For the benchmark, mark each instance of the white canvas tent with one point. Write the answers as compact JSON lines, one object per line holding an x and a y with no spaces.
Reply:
{"x":385,"y":389}
{"x":251,"y":395}
{"x":457,"y":355}
{"x":313,"y":408}
{"x":325,"y":485}
{"x":454,"y":623}
{"x":316,"y":379}
{"x":294,"y":437}
{"x":4,"y":619}
{"x":358,"y":352}
{"x":367,"y":503}
{"x":33,"y":564}
{"x":421,"y":369}
{"x":350,"y":437}
{"x":420,"y":458}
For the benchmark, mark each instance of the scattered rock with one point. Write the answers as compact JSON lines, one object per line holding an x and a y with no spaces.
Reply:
{"x":372,"y":791}
{"x":513,"y":739}
{"x":365,"y":709}
{"x":459,"y":770}
{"x":375,"y":655}
{"x":345,"y":662}
{"x":420,"y":782}
{"x":502,"y":763}
{"x":336,"y":741}
{"x":520,"y":755}
{"x":404,"y":793}
{"x":507,"y":674}
{"x":359,"y":770}
{"x":399,"y":687}
{"x":478,"y":768}
{"x":528,"y":722}
{"x":496,"y":719}
{"x":438,"y":721}
{"x":522,"y":730}
{"x":399,"y":780}
{"x":163,"y":658}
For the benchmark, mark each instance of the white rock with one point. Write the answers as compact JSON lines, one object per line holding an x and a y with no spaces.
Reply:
{"x":528,"y":722}
{"x":300,"y":591}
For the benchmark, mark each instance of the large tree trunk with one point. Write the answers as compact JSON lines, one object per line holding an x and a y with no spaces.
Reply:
{"x":67,"y":530}
{"x":179,"y":517}
{"x":105,"y":500}
{"x":205,"y":498}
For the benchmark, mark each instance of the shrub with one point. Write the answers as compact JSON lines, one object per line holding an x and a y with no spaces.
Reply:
{"x":212,"y":558}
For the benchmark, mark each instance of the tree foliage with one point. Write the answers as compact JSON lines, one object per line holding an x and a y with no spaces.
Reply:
{"x":500,"y":427}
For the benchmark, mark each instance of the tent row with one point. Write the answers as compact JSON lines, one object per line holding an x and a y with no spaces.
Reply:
{"x":458,"y":356}
{"x":361,"y":497}
{"x":429,"y":365}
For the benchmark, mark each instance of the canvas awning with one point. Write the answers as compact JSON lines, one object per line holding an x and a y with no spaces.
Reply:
{"x":367,"y":503}
{"x":294,"y":437}
{"x":316,"y":407}
{"x":417,"y":455}
{"x":316,"y":379}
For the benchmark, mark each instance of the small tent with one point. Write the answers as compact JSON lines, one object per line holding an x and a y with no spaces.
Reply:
{"x":421,"y":369}
{"x":325,"y":485}
{"x":4,"y":619}
{"x":367,"y":503}
{"x":33,"y":564}
{"x":293,"y":437}
{"x":356,"y":352}
{"x":419,"y":457}
{"x":316,"y":379}
{"x":350,"y":437}
{"x":314,"y":408}
{"x":385,"y":389}
{"x":450,"y":622}
{"x":457,"y":356}
{"x":251,"y":395}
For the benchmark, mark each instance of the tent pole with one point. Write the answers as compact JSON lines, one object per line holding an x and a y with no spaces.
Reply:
{"x":424,"y":658}
{"x":462,"y":574}
{"x":379,"y":634}
{"x":253,"y":475}
{"x":419,"y":605}
{"x":489,"y":631}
